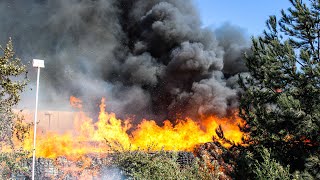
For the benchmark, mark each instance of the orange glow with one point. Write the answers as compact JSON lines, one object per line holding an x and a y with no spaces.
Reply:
{"x":109,"y":134}
{"x":75,"y":102}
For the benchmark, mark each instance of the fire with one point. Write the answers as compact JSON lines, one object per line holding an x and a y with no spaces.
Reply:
{"x":75,"y":102}
{"x":110,"y":134}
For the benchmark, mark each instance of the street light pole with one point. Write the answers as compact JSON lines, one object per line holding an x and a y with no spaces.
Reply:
{"x":38,"y":64}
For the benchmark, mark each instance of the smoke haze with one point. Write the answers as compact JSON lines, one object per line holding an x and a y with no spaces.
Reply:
{"x":149,"y":58}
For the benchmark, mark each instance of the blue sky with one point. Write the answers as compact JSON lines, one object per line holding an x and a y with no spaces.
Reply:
{"x":250,"y":15}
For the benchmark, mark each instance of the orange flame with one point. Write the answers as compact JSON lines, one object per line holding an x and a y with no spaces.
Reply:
{"x":110,"y":133}
{"x":75,"y":102}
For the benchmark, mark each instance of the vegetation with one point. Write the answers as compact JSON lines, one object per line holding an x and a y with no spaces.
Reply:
{"x":161,"y":165}
{"x":280,"y":103}
{"x":10,"y":88}
{"x":13,"y":163}
{"x":270,"y":169}
{"x":281,"y":99}
{"x":11,"y":85}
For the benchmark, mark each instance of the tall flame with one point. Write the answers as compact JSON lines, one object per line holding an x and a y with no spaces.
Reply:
{"x":110,"y":133}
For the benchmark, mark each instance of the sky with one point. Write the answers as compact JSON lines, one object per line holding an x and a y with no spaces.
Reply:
{"x":250,"y":15}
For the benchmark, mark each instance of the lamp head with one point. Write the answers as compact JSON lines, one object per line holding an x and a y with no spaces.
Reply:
{"x":38,"y":63}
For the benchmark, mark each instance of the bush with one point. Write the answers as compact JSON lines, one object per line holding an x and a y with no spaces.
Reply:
{"x":13,"y":163}
{"x":160,"y":165}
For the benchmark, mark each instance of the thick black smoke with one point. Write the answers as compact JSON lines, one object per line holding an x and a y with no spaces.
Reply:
{"x":150,"y":58}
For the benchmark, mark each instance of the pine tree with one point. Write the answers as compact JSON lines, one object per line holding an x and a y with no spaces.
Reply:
{"x":281,"y":98}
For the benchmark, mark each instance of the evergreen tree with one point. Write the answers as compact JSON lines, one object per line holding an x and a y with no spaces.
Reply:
{"x":281,"y":98}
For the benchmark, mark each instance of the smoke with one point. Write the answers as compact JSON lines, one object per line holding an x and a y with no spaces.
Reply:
{"x":111,"y":173}
{"x":234,"y":43}
{"x":148,"y":58}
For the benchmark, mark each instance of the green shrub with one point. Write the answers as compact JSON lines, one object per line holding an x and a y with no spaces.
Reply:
{"x":160,"y":165}
{"x":13,"y":163}
{"x":270,"y":169}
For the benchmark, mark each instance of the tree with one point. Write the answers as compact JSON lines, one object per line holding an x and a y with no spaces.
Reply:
{"x":11,"y":85}
{"x":281,"y":98}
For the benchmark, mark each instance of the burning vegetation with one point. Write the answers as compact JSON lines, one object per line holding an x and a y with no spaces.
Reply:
{"x":94,"y":146}
{"x":108,"y":146}
{"x":109,"y":134}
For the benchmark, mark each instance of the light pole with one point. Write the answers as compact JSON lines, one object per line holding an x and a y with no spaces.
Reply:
{"x":37,"y":63}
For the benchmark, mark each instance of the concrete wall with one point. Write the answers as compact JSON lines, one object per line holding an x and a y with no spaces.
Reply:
{"x":59,"y":121}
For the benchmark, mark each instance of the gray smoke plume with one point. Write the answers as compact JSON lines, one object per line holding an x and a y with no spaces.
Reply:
{"x":149,"y":58}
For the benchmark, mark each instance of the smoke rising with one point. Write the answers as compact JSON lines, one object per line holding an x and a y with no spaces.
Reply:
{"x":148,"y":58}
